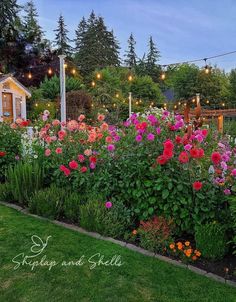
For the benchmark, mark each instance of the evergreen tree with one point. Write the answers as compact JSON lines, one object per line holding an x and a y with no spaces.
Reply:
{"x":32,"y":30}
{"x":131,"y":57}
{"x":152,"y":57}
{"x":79,"y":34}
{"x":9,"y":10}
{"x":98,"y":47}
{"x":12,"y":42}
{"x":61,"y":38}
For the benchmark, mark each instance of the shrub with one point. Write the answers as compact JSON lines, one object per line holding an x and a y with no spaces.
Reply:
{"x":155,"y":234}
{"x":48,"y":202}
{"x":71,"y":207}
{"x":91,"y":213}
{"x":211,"y":240}
{"x":23,"y":180}
{"x":5,"y":193}
{"x":116,"y":220}
{"x":233,"y":215}
{"x":10,"y":147}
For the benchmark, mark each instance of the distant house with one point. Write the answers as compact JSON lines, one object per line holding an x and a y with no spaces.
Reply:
{"x":169,"y":95}
{"x":12,"y":98}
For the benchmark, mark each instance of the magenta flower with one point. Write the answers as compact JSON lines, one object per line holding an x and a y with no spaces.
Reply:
{"x":199,"y":138}
{"x":92,"y":166}
{"x":138,"y":138}
{"x":108,"y":204}
{"x":150,"y":136}
{"x":187,"y":147}
{"x":111,"y":147}
{"x":158,"y":130}
{"x":227,"y":192}
{"x":234,"y":172}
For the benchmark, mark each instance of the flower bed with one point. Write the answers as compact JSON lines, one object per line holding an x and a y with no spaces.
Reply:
{"x":151,"y":180}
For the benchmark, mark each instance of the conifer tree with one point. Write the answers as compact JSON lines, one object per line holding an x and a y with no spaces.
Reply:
{"x":61,"y":38}
{"x":32,"y":30}
{"x":98,"y":47}
{"x":153,"y":56}
{"x":79,"y":34}
{"x":131,"y":57}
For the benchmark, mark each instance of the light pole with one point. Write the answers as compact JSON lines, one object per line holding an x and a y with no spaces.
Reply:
{"x":62,"y":87}
{"x":130,"y":104}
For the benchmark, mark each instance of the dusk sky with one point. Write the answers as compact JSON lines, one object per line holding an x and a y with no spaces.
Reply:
{"x":182,"y":30}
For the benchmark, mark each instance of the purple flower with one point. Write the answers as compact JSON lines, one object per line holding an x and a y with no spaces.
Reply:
{"x":127,"y":123}
{"x":108,"y":204}
{"x":116,"y":138}
{"x":224,"y":165}
{"x":150,"y":136}
{"x":92,"y":166}
{"x":152,"y":119}
{"x":110,"y":147}
{"x":158,"y":130}
{"x":138,"y":138}
{"x":17,"y":157}
{"x":227,"y":192}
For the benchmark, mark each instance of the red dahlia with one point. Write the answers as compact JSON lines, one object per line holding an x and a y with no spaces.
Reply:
{"x":197,"y":185}
{"x":215,"y":158}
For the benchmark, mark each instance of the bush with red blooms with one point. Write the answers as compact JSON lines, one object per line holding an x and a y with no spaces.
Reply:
{"x":155,"y":234}
{"x":149,"y":162}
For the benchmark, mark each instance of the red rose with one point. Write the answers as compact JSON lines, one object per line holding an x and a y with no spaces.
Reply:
{"x":2,"y":153}
{"x":197,"y":185}
{"x":183,"y":157}
{"x":162,"y":160}
{"x":215,"y":158}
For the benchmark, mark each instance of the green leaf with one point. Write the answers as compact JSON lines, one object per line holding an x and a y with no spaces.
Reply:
{"x":165,"y":194}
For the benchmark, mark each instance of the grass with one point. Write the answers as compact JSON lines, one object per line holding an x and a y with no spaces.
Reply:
{"x":140,"y":278}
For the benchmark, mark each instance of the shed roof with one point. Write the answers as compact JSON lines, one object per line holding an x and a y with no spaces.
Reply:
{"x":6,"y":77}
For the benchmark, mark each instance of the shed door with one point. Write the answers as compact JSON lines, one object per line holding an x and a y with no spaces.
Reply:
{"x":7,"y":106}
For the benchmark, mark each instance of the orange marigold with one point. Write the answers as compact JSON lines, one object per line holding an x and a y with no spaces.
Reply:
{"x":194,"y":258}
{"x":172,"y":246}
{"x":134,"y":232}
{"x":187,"y":243}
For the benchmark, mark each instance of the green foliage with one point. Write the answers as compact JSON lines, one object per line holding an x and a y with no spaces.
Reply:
{"x":38,"y":108}
{"x":91,"y":213}
{"x":10,"y":143}
{"x":50,"y":88}
{"x":71,"y":207}
{"x":48,"y":202}
{"x":144,"y":88}
{"x":5,"y":193}
{"x":24,"y":179}
{"x":116,"y":220}
{"x":211,"y":240}
{"x":233,"y":215}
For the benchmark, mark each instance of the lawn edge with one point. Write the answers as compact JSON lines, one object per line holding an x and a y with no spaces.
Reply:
{"x":129,"y":246}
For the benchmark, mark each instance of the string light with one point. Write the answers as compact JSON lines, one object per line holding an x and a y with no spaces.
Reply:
{"x":48,"y":105}
{"x":136,"y":102}
{"x":98,"y":76}
{"x":193,"y":100}
{"x":130,"y":78}
{"x":163,"y":76}
{"x":223,"y":104}
{"x":207,"y":101}
{"x":185,"y":104}
{"x":117,"y":95}
{"x":30,"y":75}
{"x":179,"y":103}
{"x":93,"y":84}
{"x":36,"y":105}
{"x":140,"y":101}
{"x":50,"y":71}
{"x":73,"y":71}
{"x":207,"y":68}
{"x":175,"y":107}
{"x":65,"y":65}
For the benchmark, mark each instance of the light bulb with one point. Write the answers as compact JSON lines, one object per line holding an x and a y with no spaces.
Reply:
{"x":93,"y":83}
{"x":98,"y":76}
{"x":163,"y":76}
{"x":29,"y":75}
{"x":130,"y":78}
{"x":73,"y":71}
{"x":50,"y":71}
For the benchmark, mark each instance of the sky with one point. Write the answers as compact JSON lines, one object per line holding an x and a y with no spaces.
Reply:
{"x":182,"y":29}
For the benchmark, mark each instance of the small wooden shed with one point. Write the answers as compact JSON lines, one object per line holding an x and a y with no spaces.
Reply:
{"x":12,"y":98}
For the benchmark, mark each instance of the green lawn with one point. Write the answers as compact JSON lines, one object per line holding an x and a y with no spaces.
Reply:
{"x":140,"y":278}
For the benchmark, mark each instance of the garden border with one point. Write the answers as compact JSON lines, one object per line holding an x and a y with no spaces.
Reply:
{"x":124,"y":244}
